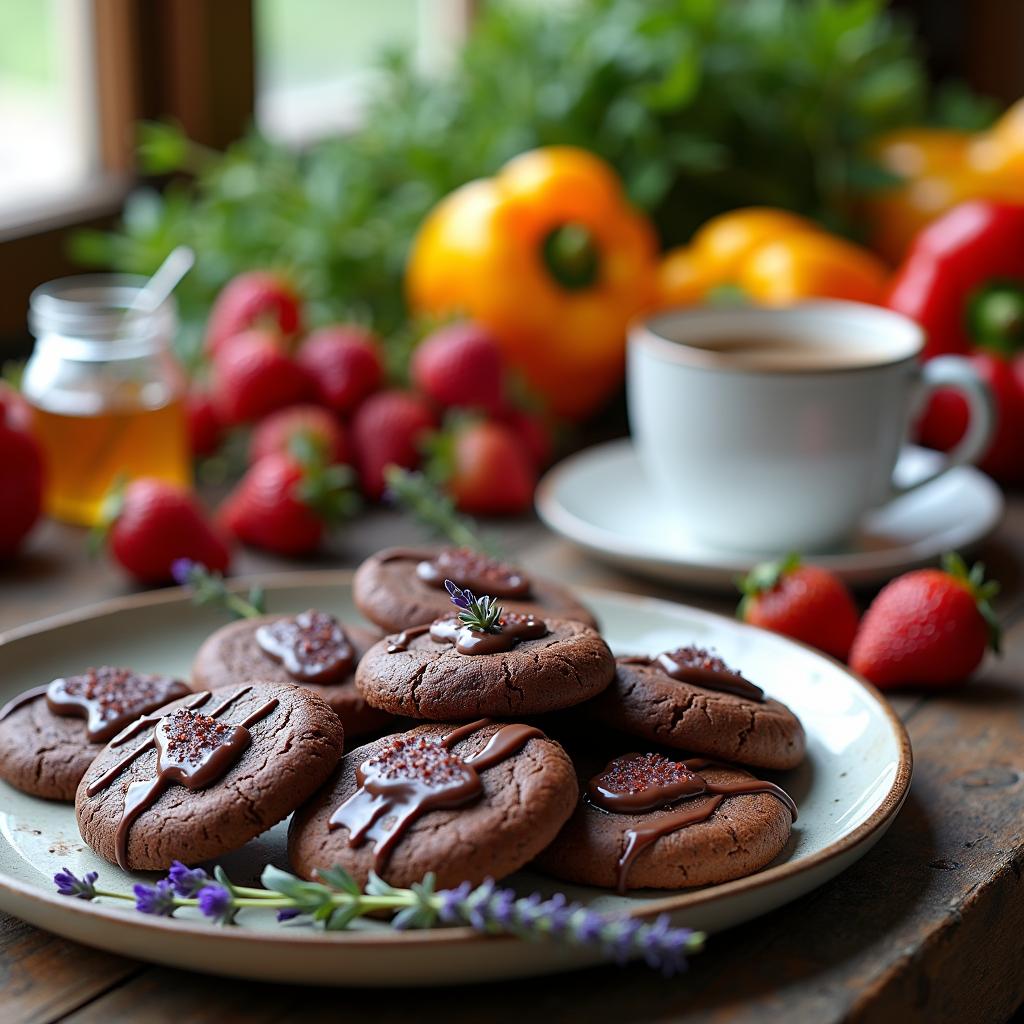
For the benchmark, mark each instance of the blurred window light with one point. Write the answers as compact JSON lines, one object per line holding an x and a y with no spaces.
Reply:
{"x":48,"y":122}
{"x":315,"y":58}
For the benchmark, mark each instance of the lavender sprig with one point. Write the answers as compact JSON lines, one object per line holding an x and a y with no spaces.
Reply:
{"x":336,"y":901}
{"x":430,"y":506}
{"x":208,"y":588}
{"x":480,"y":613}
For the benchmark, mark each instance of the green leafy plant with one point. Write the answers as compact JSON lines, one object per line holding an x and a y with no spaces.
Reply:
{"x":702,"y":105}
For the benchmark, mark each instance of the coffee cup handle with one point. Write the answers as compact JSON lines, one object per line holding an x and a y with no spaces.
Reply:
{"x":957,"y":373}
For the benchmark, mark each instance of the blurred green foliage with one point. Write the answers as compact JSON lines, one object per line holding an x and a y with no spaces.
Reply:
{"x":702,"y":105}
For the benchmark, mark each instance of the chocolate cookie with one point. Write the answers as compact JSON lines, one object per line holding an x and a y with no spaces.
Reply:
{"x":265,"y":648}
{"x":647,"y":822}
{"x":400,"y":587}
{"x":50,"y":735}
{"x":445,"y":672}
{"x":468,"y":803}
{"x":691,"y":700}
{"x":207,"y":774}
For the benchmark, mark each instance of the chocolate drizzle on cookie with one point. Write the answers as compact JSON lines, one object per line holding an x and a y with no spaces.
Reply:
{"x":643,"y":783}
{"x":22,"y":700}
{"x":413,"y":775}
{"x":109,"y":698}
{"x":467,"y":568}
{"x":193,"y":750}
{"x":514,"y":627}
{"x":701,"y":667}
{"x":312,"y":647}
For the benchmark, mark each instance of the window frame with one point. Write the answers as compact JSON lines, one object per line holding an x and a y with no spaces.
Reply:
{"x":191,"y":61}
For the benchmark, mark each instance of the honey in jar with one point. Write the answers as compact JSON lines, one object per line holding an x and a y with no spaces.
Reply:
{"x":105,"y":391}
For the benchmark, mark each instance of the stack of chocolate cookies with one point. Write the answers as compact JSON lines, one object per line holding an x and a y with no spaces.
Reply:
{"x":460,"y":773}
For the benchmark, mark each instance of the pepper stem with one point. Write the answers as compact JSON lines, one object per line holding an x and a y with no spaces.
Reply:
{"x":995,"y":316}
{"x":571,"y":256}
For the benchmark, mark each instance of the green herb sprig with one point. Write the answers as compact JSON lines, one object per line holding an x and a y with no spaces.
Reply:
{"x":435,"y":510}
{"x":208,"y":588}
{"x":482,"y":614}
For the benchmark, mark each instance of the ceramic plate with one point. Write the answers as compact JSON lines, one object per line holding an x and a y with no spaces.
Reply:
{"x":852,"y":785}
{"x":600,"y":500}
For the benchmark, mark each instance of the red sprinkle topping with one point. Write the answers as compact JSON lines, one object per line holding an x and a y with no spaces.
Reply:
{"x":634,"y":773}
{"x":191,"y":736}
{"x":478,"y":572}
{"x":699,"y":657}
{"x":423,"y":759}
{"x":115,"y":691}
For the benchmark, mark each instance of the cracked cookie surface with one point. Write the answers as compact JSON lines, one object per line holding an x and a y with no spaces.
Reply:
{"x":231,"y":657}
{"x":525,"y":800}
{"x":387,"y":590}
{"x":294,"y":747}
{"x":645,"y":701}
{"x":432,"y":680}
{"x":742,"y":835}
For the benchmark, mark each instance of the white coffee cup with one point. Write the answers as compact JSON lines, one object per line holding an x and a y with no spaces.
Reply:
{"x":773,"y":430}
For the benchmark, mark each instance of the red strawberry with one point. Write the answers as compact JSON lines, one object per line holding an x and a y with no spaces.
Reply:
{"x":532,"y":431}
{"x":387,"y":430}
{"x":259,"y":298}
{"x":805,"y":602}
{"x":282,"y":430}
{"x":21,"y":474}
{"x":286,"y":506}
{"x":929,"y":627}
{"x":460,"y":365}
{"x":151,"y":523}
{"x":344,"y":364}
{"x":252,"y":377}
{"x":487,"y":469}
{"x":205,"y":429}
{"x":19,"y":412}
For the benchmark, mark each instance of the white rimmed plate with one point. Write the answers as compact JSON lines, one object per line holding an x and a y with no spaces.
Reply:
{"x":601,"y":500}
{"x":852,"y":785}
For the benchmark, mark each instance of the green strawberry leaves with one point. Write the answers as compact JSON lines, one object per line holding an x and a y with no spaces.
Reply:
{"x":325,"y":488}
{"x":983,"y":591}
{"x":763,"y":578}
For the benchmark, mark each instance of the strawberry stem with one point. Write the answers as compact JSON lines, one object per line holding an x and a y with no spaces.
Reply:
{"x":983,"y":591}
{"x":762,"y":578}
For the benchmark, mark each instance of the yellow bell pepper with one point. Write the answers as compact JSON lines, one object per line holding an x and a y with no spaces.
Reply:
{"x":941,"y":169}
{"x":549,"y":255}
{"x":770,"y":257}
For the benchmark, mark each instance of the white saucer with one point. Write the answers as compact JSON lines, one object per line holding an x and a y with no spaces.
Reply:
{"x":600,"y":499}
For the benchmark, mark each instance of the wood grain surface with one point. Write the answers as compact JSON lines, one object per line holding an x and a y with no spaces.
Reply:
{"x":927,"y":927}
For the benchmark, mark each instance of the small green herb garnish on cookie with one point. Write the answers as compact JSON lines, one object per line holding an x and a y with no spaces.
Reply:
{"x":482,"y":614}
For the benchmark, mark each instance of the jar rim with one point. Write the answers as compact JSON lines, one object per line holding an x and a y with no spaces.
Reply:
{"x":88,"y":312}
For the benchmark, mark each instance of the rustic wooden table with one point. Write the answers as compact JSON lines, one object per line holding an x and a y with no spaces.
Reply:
{"x":927,"y":927}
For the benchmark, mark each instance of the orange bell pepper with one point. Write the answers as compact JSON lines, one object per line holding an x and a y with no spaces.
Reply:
{"x":550,"y":256}
{"x":772,"y":257}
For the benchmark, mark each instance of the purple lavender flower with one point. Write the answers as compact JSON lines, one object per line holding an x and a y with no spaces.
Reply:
{"x":69,"y":884}
{"x":589,"y":927}
{"x":450,"y":908}
{"x":187,"y":881}
{"x":155,"y":899}
{"x":215,"y":901}
{"x":460,"y":598}
{"x":289,"y":914}
{"x":182,"y":569}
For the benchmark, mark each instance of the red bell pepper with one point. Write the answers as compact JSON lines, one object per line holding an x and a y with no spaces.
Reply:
{"x":963,"y":281}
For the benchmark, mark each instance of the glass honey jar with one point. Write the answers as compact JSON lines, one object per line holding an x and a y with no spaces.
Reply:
{"x":105,"y":390}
